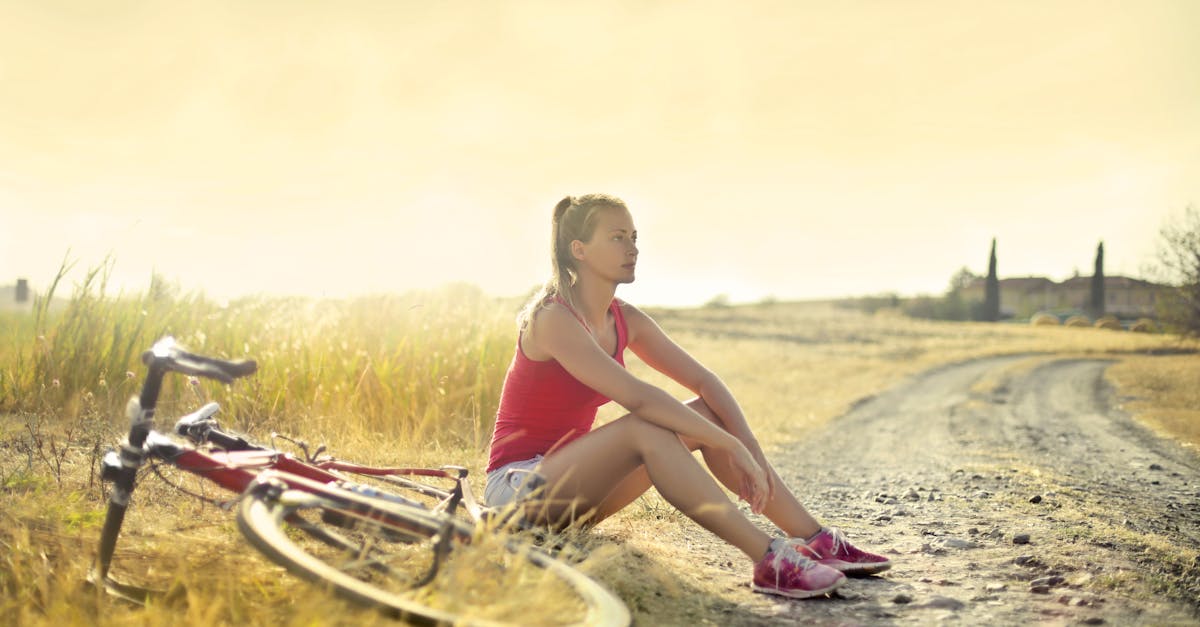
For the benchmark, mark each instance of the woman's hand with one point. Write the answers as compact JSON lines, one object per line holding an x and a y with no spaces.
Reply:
{"x":757,"y":453}
{"x":754,"y":486}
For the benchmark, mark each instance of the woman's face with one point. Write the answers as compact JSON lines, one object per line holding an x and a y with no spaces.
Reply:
{"x":612,"y":251}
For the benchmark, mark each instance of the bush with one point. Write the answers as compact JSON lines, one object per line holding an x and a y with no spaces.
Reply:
{"x":1143,"y":325}
{"x":1078,"y":321}
{"x":1178,"y":265}
{"x":1043,"y":319}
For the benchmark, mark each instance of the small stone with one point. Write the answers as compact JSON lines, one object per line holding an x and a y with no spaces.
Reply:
{"x":1021,"y":538}
{"x":912,"y":496}
{"x":1065,"y":599}
{"x":1039,"y":589}
{"x":1093,"y":620}
{"x":958,"y":543}
{"x":1155,"y":467}
{"x":1049,"y":581}
{"x":996,"y":587}
{"x":1025,"y":560}
{"x":901,"y":599}
{"x":1035,"y":499}
{"x":944,"y":603}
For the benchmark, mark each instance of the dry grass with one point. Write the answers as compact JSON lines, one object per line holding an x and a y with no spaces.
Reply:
{"x":1162,"y":391}
{"x":412,"y":380}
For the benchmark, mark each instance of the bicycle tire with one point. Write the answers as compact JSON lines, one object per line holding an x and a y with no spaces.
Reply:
{"x":382,"y":535}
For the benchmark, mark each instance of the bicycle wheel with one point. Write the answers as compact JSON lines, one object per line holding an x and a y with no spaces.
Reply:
{"x":386,"y":555}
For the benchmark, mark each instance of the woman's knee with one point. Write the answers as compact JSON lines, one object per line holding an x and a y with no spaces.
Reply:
{"x":647,"y":436}
{"x":700,"y":407}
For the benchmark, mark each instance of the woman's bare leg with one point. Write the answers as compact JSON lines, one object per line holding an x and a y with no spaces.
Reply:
{"x":785,"y":510}
{"x":591,"y":467}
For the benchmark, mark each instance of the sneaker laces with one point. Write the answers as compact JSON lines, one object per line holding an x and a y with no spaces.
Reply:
{"x":838,"y":540}
{"x":788,"y":553}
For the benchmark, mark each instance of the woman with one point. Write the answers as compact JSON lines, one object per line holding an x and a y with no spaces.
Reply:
{"x":569,"y":360}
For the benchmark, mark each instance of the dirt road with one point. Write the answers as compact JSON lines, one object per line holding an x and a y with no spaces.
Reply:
{"x":1007,"y":491}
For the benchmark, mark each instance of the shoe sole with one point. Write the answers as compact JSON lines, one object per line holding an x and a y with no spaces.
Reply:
{"x":857,"y":570}
{"x":798,"y":594}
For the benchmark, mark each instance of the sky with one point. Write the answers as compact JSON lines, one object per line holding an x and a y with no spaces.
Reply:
{"x":788,"y":150}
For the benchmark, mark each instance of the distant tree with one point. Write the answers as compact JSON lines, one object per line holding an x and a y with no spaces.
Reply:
{"x":1096,"y":301}
{"x":1178,"y":265}
{"x":961,"y":279}
{"x":991,"y":295}
{"x":953,"y":305}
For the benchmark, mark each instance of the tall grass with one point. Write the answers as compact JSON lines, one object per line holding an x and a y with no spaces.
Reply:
{"x":422,"y":364}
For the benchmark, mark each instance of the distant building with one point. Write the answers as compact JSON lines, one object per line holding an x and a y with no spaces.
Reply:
{"x":16,"y":297}
{"x":1021,"y":297}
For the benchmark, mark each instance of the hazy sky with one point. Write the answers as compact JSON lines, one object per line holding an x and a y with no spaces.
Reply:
{"x":794,"y":149}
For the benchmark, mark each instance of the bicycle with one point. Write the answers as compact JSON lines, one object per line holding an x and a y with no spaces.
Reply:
{"x":369,"y":545}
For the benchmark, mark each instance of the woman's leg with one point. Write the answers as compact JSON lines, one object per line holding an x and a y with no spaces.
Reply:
{"x":582,"y":475}
{"x":784,"y":509}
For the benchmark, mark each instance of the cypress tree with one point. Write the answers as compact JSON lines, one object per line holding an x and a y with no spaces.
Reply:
{"x":1096,"y":302}
{"x":991,"y":297}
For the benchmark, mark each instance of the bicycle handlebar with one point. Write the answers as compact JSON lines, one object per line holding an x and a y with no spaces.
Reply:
{"x":167,"y":354}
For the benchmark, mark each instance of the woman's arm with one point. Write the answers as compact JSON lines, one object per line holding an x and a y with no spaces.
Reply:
{"x":558,"y":334}
{"x":654,"y":347}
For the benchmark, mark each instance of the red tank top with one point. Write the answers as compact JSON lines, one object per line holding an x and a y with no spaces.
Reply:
{"x":542,"y":406}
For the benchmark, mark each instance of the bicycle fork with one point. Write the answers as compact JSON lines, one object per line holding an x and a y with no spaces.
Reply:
{"x":121,"y":469}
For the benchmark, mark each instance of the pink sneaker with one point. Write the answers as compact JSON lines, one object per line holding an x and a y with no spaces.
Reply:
{"x":786,"y":571}
{"x":831,"y":548}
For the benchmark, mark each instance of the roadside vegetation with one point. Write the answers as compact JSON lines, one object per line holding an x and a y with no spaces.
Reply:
{"x":414,"y":379}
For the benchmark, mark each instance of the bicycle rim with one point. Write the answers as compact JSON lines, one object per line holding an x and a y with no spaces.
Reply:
{"x":382,"y":559}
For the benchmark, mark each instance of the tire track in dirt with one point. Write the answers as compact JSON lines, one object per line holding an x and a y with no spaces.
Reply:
{"x":1007,"y":490}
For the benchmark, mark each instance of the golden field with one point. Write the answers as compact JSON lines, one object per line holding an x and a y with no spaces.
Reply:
{"x":413,"y":380}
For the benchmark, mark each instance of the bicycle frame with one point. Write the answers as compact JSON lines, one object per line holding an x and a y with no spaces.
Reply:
{"x":200,"y":427}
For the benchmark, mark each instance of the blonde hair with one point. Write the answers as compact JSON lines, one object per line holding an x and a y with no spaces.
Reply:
{"x":574,"y":218}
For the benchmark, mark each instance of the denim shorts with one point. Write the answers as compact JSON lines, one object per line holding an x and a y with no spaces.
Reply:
{"x":512,"y":482}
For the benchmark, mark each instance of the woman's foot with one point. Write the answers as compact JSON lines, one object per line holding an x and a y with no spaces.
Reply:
{"x":830,"y":547}
{"x":787,"y":572}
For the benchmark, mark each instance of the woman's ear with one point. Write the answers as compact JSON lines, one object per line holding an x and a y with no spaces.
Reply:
{"x":577,"y":249}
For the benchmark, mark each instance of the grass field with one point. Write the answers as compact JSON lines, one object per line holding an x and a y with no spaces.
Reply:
{"x":414,"y":380}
